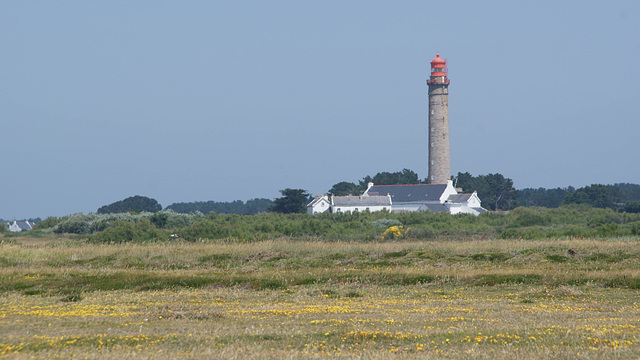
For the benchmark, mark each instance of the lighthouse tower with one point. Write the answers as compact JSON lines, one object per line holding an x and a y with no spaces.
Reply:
{"x":439,"y":158}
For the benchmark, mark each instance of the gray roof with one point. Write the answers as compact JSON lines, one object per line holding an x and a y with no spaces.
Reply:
{"x":317,"y":200}
{"x":459,"y":198}
{"x":479,"y":209}
{"x":410,"y":193}
{"x":23,"y":225}
{"x":361,"y":201}
{"x":436,"y":207}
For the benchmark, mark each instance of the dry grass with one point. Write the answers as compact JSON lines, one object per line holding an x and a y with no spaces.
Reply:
{"x":286,"y":299}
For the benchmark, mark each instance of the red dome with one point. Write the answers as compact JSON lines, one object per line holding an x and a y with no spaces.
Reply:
{"x":438,"y":62}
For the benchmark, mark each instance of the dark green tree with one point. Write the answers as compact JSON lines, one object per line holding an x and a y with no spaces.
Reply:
{"x":252,"y":206}
{"x":597,"y":195}
{"x":550,"y":198}
{"x":632,"y":207}
{"x":344,"y":188}
{"x":403,"y":177}
{"x":292,"y":201}
{"x":630,"y":192}
{"x":131,"y":204}
{"x":255,"y":206}
{"x":494,"y":190}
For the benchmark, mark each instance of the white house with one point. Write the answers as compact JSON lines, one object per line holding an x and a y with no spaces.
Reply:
{"x":360,"y":203}
{"x":464,"y":203}
{"x":427,"y":197}
{"x":18,"y":226}
{"x":319,"y":205}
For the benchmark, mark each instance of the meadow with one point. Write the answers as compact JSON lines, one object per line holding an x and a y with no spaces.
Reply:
{"x":66,"y":297}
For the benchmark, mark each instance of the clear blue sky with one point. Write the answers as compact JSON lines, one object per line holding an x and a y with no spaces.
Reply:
{"x":232,"y":100}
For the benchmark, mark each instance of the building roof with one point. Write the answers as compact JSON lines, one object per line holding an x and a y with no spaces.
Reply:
{"x":20,"y":226}
{"x":436,"y":207}
{"x":317,"y":200}
{"x":438,"y":61}
{"x":361,"y":201}
{"x":410,"y":193}
{"x":479,"y":209}
{"x":459,"y":198}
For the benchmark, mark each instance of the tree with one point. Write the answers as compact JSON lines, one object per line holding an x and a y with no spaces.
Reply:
{"x":494,"y":190}
{"x":403,"y":177}
{"x":292,"y":201}
{"x":550,"y":198}
{"x":135,"y":203}
{"x":344,"y":188}
{"x":630,"y":192}
{"x":252,"y":206}
{"x":597,"y":195}
{"x":632,"y":207}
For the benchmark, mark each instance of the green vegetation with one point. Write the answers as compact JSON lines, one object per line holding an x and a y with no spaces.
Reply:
{"x":292,"y":201}
{"x":494,"y":190}
{"x":596,"y":195}
{"x":405,"y":176}
{"x":135,"y":204}
{"x":239,"y":207}
{"x":568,"y":221}
{"x":541,"y":197}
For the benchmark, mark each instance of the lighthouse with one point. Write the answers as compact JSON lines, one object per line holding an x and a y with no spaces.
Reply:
{"x":439,"y":158}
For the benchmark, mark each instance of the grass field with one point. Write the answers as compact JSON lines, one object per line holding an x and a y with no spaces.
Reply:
{"x":494,"y":299}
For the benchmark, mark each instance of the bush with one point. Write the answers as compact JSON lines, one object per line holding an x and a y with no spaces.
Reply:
{"x":123,"y":231}
{"x":385,"y":223}
{"x":48,"y":223}
{"x":530,"y":217}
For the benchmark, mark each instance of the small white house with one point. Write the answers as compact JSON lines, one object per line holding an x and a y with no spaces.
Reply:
{"x":464,"y":203}
{"x":319,"y":205}
{"x":18,"y":226}
{"x":360,"y":203}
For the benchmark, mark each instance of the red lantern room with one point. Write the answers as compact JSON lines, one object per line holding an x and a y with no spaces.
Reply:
{"x":438,"y":66}
{"x":438,"y":71}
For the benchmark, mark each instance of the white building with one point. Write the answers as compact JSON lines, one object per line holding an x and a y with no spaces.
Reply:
{"x":18,"y":226}
{"x":427,"y":197}
{"x":360,"y":203}
{"x":319,"y":205}
{"x":464,"y":203}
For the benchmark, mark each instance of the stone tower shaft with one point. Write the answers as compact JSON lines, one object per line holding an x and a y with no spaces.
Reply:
{"x":439,"y":155}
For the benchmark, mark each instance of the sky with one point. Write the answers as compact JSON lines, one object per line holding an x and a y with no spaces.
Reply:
{"x":233,"y":100}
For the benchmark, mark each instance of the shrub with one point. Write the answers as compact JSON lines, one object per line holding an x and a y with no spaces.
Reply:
{"x":394,"y":232}
{"x":124,"y":231}
{"x":48,"y":223}
{"x":385,"y":223}
{"x":530,"y":217}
